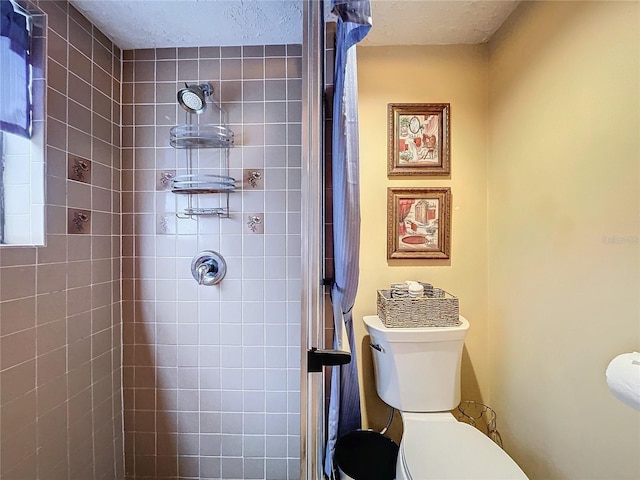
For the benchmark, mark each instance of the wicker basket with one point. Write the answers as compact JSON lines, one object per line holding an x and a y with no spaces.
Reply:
{"x":439,"y":310}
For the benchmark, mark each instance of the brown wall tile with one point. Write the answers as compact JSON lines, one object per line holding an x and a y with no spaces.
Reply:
{"x":46,"y":305}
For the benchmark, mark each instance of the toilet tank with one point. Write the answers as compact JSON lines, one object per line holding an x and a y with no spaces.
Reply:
{"x":417,"y":369}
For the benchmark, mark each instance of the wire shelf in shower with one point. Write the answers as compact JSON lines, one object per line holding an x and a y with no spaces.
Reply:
{"x":202,"y":183}
{"x":191,"y":212}
{"x":194,"y":135}
{"x":205,"y":127}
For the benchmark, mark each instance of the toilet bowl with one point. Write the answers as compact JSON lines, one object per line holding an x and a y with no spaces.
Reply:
{"x":417,"y":371}
{"x":438,"y":446}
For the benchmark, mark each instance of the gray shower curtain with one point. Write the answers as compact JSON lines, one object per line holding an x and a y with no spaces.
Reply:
{"x":354,"y":22}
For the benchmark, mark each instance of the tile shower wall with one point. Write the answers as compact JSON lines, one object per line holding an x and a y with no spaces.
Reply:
{"x":211,"y":374}
{"x":60,"y":358}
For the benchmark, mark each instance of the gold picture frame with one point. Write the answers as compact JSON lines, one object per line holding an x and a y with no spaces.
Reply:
{"x":419,"y":139}
{"x":418,"y":223}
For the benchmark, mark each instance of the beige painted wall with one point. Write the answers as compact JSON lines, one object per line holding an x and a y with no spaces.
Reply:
{"x":546,"y":223}
{"x":564,"y":229}
{"x":456,"y":75}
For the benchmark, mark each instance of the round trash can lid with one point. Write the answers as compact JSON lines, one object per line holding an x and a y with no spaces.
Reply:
{"x":367,"y":455}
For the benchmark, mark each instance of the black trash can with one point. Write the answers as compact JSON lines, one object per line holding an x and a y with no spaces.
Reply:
{"x":366,"y":455}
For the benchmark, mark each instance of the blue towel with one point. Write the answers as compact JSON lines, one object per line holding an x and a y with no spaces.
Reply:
{"x":15,"y":71}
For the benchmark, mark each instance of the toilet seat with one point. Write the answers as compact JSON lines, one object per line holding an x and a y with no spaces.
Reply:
{"x":436,"y":446}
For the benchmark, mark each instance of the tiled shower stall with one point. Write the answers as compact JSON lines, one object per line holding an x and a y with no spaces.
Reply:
{"x":114,"y":363}
{"x":211,"y":373}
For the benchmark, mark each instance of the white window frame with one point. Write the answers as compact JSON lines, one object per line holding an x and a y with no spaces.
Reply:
{"x":22,"y":173}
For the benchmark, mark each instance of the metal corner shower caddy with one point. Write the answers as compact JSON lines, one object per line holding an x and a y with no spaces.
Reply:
{"x":205,"y":128}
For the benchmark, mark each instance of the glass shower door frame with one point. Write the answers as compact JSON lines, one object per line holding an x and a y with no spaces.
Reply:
{"x":312,"y":384}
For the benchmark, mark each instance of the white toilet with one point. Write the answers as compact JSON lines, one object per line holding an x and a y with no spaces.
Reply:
{"x":417,"y":372}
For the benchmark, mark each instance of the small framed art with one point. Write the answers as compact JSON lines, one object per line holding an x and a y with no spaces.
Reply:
{"x":418,"y":223}
{"x":418,"y":142}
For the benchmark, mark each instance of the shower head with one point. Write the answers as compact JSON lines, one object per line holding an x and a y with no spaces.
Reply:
{"x":192,"y":97}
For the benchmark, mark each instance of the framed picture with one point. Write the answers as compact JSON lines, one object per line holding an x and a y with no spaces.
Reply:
{"x":418,"y":223}
{"x":418,"y":141}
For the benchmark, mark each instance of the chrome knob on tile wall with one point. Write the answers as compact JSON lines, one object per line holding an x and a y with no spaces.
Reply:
{"x":208,"y":268}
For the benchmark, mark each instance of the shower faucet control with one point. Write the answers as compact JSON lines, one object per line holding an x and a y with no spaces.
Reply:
{"x":208,"y":268}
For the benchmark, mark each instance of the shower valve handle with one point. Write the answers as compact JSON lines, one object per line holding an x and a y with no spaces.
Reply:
{"x":208,"y":268}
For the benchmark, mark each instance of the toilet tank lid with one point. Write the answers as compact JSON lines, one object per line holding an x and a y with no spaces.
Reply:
{"x":375,"y":327}
{"x":451,"y":450}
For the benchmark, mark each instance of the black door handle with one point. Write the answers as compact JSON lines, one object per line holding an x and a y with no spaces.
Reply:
{"x":316,"y":359}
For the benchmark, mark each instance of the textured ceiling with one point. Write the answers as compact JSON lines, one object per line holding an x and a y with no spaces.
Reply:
{"x":135,"y":24}
{"x":432,"y":22}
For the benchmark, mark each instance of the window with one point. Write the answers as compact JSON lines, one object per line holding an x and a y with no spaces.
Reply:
{"x":21,"y":126}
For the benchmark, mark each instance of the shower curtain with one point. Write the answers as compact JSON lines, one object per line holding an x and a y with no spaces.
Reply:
{"x":354,"y":22}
